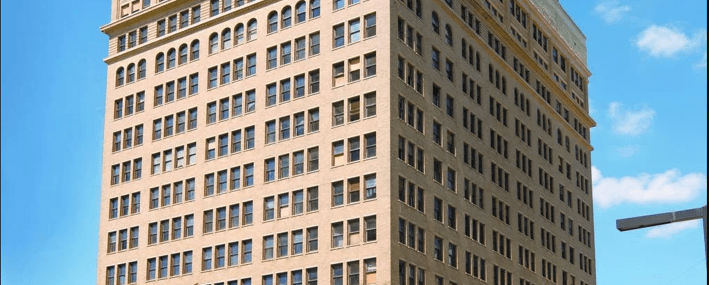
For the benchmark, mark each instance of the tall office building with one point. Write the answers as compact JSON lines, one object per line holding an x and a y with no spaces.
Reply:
{"x":345,"y":142}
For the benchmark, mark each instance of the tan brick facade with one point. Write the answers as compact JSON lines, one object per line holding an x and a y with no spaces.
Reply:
{"x":318,"y":146}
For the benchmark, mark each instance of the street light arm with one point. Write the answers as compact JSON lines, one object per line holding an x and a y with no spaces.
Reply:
{"x":659,"y":219}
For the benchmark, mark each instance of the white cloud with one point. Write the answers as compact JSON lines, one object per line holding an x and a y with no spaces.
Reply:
{"x":628,"y":151}
{"x":627,"y":122}
{"x":668,"y":187}
{"x":668,"y":230}
{"x":611,"y":11}
{"x":702,"y":63}
{"x":667,"y":41}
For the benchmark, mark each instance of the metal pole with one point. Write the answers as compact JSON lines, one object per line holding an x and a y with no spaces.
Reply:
{"x":706,"y":249}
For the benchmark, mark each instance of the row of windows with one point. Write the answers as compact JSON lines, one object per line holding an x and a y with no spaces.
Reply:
{"x":121,"y":73}
{"x":134,"y":38}
{"x":412,"y":115}
{"x":354,"y":109}
{"x":501,"y":244}
{"x":126,"y":206}
{"x":473,"y":193}
{"x":411,"y":236}
{"x":410,"y":36}
{"x":525,"y":225}
{"x":133,"y":104}
{"x":407,"y":150}
{"x":136,"y":171}
{"x":407,"y":72}
{"x":165,"y":235}
{"x":175,"y":124}
{"x":353,"y":149}
{"x":236,"y":143}
{"x":184,"y":18}
{"x":237,"y":179}
{"x":354,"y":191}
{"x":119,"y":240}
{"x":410,"y":194}
{"x":127,"y":138}
{"x":122,"y":273}
{"x":354,"y":236}
{"x":354,"y":67}
{"x":172,"y":194}
{"x":166,"y":163}
{"x":287,"y":54}
{"x":298,"y":165}
{"x":158,"y":268}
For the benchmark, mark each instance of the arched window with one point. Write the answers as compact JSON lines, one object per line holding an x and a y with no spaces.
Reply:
{"x":131,"y":73}
{"x":171,"y":56}
{"x":183,"y":54}
{"x":300,"y":12}
{"x":272,"y":22}
{"x":159,"y":62}
{"x":285,"y":17}
{"x":119,"y":76}
{"x":251,"y":30}
{"x":213,"y":43}
{"x":239,"y":34}
{"x":314,"y":8}
{"x":226,"y":38}
{"x":434,"y":22}
{"x":449,"y":35}
{"x":194,"y":53}
{"x":142,"y":66}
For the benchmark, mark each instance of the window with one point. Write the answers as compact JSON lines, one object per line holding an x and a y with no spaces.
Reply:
{"x":239,"y":34}
{"x":314,"y":80}
{"x":286,"y":17}
{"x":270,"y":169}
{"x":438,"y":248}
{"x":312,"y":199}
{"x":370,"y":64}
{"x":194,"y":50}
{"x":300,"y":12}
{"x":314,"y":8}
{"x":251,"y":64}
{"x":196,"y":13}
{"x":370,"y":25}
{"x":251,"y":30}
{"x":314,"y":43}
{"x":119,"y":76}
{"x":267,"y":247}
{"x":338,"y":150}
{"x":449,"y":35}
{"x":312,"y":239}
{"x":435,"y":23}
{"x":194,"y":83}
{"x":435,"y":58}
{"x":338,"y":34}
{"x":272,"y":22}
{"x":272,"y":58}
{"x":337,"y":235}
{"x":354,"y":30}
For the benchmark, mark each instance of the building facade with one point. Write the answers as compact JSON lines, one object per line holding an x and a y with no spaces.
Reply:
{"x":345,"y":142}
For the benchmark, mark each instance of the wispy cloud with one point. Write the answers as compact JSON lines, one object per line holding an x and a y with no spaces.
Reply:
{"x":612,"y":11}
{"x":702,"y":63}
{"x":628,"y":151}
{"x":630,"y":122}
{"x":669,"y":230}
{"x":667,"y":41}
{"x":668,"y":187}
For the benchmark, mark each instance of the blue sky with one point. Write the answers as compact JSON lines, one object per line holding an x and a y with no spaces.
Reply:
{"x":648,"y":94}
